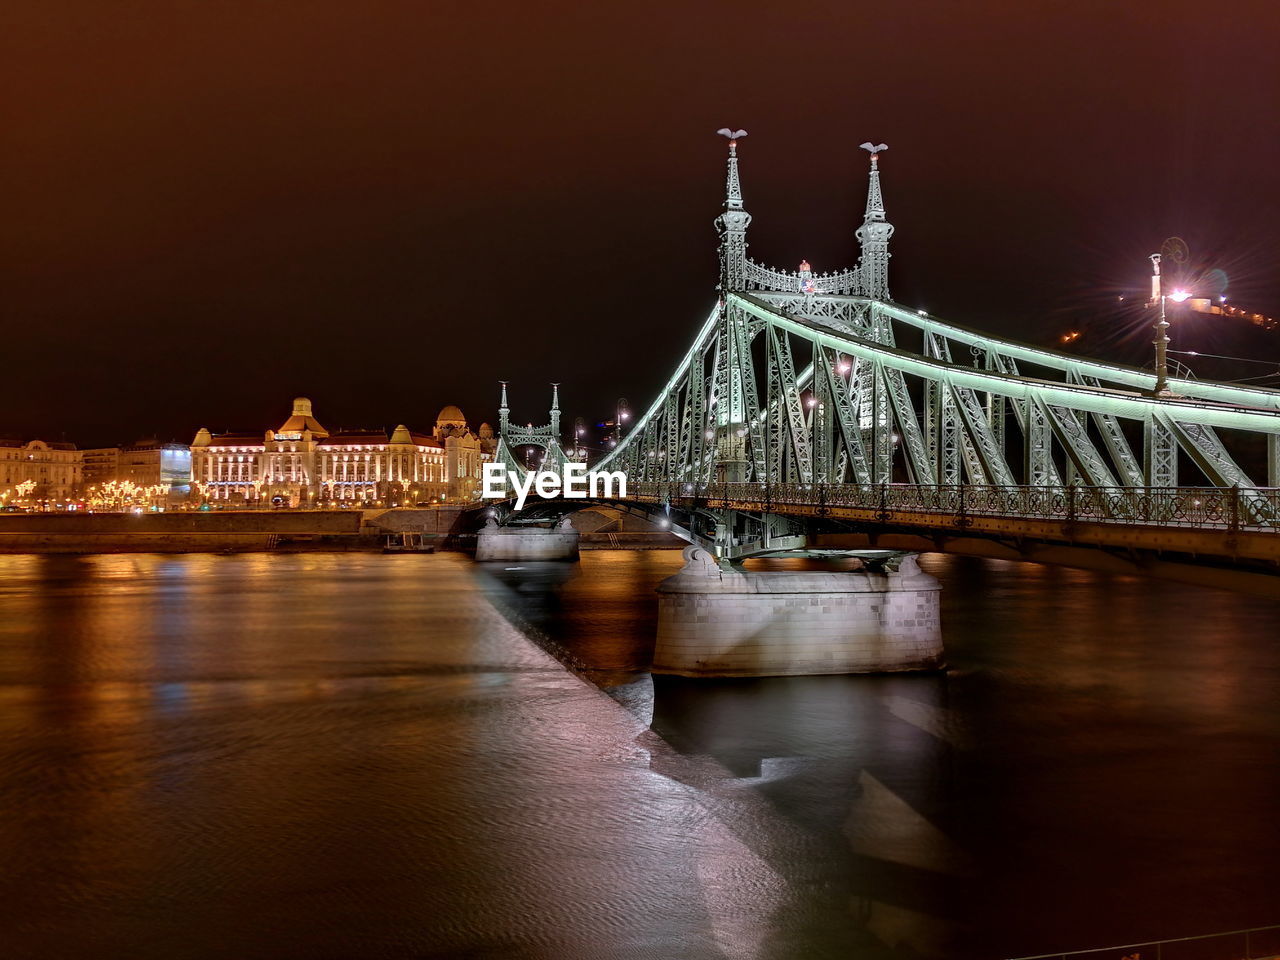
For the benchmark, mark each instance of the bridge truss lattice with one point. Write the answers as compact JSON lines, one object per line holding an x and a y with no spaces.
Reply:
{"x":824,"y":380}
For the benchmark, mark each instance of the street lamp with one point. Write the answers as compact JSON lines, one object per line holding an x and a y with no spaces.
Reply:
{"x":1162,"y":326}
{"x":623,"y":413}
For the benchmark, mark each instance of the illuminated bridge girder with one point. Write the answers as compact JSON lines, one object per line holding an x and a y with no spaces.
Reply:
{"x":837,"y":401}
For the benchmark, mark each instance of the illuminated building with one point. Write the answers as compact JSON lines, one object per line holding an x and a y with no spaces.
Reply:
{"x":54,"y":468}
{"x":146,"y":463}
{"x":301,"y":462}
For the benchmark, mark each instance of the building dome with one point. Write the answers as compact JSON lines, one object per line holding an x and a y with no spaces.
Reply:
{"x":486,"y":432}
{"x":302,"y":420}
{"x":451,"y":415}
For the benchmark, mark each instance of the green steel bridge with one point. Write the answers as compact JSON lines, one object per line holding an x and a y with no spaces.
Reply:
{"x":812,"y":413}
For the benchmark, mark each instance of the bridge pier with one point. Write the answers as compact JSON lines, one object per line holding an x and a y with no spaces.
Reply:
{"x":717,"y":622}
{"x":527,"y":543}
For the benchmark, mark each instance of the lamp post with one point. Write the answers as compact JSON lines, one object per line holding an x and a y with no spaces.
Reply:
{"x":1162,"y":327}
{"x":623,"y":413}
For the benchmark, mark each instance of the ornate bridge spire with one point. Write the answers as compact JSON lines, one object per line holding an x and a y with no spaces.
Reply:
{"x":732,"y":224}
{"x":504,"y":412}
{"x":874,"y":233}
{"x":555,"y":410}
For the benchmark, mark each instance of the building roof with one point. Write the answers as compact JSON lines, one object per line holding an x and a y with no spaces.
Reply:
{"x":301,"y":419}
{"x":451,"y":414}
{"x":37,"y":444}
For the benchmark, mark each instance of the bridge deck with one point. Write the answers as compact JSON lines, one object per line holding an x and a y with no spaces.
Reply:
{"x":1209,"y":522}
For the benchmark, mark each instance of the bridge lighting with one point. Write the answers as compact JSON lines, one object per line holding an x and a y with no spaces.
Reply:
{"x":1161,"y":342}
{"x":811,"y":402}
{"x":923,"y":313}
{"x":843,"y":368}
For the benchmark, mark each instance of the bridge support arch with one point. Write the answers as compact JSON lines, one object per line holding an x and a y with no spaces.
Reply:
{"x":722,"y":621}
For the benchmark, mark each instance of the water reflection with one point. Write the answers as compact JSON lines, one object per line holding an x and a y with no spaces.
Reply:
{"x":1096,"y":766}
{"x":358,"y":755}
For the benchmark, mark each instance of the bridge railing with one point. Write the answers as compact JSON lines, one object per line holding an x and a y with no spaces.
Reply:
{"x":1230,"y":508}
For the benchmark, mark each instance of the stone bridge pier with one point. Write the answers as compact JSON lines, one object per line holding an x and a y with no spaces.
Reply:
{"x":715,"y":621}
{"x":519,"y":542}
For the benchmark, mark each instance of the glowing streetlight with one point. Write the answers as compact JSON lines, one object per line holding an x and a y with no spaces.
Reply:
{"x":1162,"y":326}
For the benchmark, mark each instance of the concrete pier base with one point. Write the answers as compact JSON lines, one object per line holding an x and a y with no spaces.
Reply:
{"x":527,"y":543}
{"x":716,"y":622}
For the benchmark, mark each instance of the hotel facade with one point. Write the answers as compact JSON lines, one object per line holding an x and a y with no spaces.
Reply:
{"x":52,"y":469}
{"x":301,"y":463}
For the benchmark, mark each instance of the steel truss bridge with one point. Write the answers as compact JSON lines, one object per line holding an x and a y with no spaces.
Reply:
{"x":813,"y":412}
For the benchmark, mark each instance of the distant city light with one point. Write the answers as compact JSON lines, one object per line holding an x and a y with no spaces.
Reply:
{"x":1179,"y":295}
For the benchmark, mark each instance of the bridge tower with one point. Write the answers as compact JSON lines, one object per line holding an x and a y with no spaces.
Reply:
{"x":874,"y":233}
{"x":732,"y":224}
{"x":546,"y":437}
{"x":728,"y":395}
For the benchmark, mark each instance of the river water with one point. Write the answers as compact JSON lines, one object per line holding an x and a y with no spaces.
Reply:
{"x":355,"y":755}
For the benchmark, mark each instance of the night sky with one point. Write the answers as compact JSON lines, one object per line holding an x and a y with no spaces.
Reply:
{"x":210,"y":208}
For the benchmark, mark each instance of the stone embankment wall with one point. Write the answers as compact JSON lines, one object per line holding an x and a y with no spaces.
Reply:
{"x":221,"y":530}
{"x":448,"y":527}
